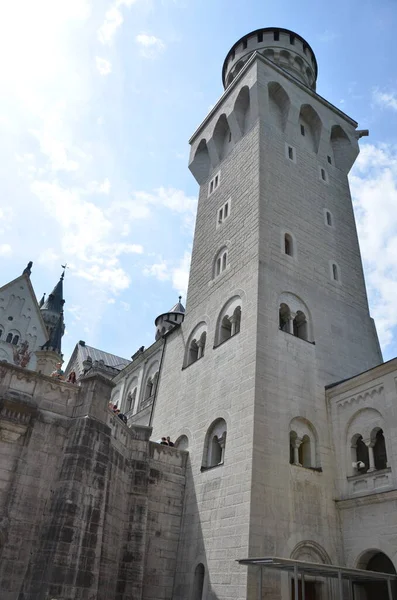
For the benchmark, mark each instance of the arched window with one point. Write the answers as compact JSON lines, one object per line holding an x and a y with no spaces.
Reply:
{"x":149,"y":388}
{"x":380,"y":455}
{"x":1,"y":331}
{"x":221,"y":137}
{"x":303,"y":444}
{"x":182,"y":443}
{"x":15,"y":340}
{"x":198,"y":582}
{"x":300,"y":325}
{"x":130,"y":401}
{"x":288,"y":245}
{"x":214,"y":447}
{"x":241,"y":109}
{"x":9,"y":338}
{"x":195,"y":346}
{"x":200,"y":165}
{"x":229,"y":320}
{"x":220,"y":262}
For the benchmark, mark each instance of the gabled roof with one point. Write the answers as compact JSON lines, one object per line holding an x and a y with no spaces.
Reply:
{"x":26,"y":279}
{"x":81,"y":353}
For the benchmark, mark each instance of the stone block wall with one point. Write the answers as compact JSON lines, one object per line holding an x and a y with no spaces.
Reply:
{"x":84,"y":500}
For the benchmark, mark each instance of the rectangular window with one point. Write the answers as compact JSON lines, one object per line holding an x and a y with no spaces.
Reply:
{"x":260,"y":38}
{"x":329,"y":160}
{"x":290,"y":153}
{"x":244,"y":44}
{"x":223,"y":213}
{"x":233,"y":54}
{"x":302,"y":129}
{"x":276,"y":36}
{"x":214,"y":183}
{"x":323,"y":175}
{"x":230,"y":136}
{"x":292,"y":39}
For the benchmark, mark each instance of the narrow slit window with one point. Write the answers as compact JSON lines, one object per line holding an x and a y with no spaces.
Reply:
{"x":260,"y":37}
{"x":226,"y":211}
{"x":230,"y":136}
{"x":276,"y":36}
{"x":233,"y":55}
{"x":335,"y":273}
{"x":329,"y":218}
{"x":224,"y":260}
{"x":302,"y":129}
{"x":329,"y":160}
{"x":290,"y":153}
{"x":211,"y":187}
{"x":220,"y":218}
{"x":323,"y":175}
{"x":288,"y":247}
{"x":216,"y":181}
{"x":244,"y":44}
{"x":292,"y":40}
{"x":218,"y":266}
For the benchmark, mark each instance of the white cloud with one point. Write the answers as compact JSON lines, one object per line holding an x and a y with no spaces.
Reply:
{"x":113,"y":20}
{"x":150,"y":46}
{"x":374,"y":191}
{"x":386,"y":99}
{"x":5,"y":250}
{"x":96,"y":187}
{"x":103,"y":65}
{"x":167,"y":271}
{"x":327,"y":36}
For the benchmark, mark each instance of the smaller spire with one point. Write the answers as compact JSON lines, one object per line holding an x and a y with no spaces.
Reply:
{"x":28,"y":269}
{"x":42,"y":301}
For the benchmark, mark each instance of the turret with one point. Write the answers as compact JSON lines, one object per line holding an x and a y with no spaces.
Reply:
{"x":52,"y":308}
{"x":168,"y":320}
{"x":285,"y":48}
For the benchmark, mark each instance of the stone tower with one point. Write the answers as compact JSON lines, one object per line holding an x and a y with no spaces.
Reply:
{"x":277,"y":304}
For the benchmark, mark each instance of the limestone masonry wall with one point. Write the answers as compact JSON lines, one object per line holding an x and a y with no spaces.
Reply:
{"x":85,"y":501}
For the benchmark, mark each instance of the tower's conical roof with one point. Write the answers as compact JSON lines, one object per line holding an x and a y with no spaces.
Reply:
{"x":42,"y":301}
{"x":178,"y":307}
{"x":55,"y":339}
{"x":55,"y":301}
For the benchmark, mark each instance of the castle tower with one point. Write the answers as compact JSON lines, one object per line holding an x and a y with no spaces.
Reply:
{"x":52,"y":308}
{"x":277,"y":293}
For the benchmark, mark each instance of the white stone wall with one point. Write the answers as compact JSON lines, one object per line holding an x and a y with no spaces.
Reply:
{"x":366,"y":501}
{"x":257,"y":503}
{"x":19,"y":316}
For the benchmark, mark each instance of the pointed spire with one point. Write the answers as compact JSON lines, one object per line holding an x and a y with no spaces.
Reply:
{"x":42,"y":301}
{"x":55,"y":339}
{"x":55,"y":301}
{"x":178,"y":307}
{"x":28,"y":269}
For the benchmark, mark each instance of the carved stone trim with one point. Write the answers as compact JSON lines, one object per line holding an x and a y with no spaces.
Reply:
{"x":362,"y":396}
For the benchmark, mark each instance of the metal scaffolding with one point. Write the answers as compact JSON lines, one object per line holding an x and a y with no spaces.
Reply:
{"x":299,"y":570}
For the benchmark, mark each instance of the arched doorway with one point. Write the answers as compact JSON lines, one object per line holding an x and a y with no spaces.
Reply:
{"x":373,"y":560}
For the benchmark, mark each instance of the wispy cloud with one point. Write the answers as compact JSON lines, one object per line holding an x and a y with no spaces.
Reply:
{"x":374,"y":190}
{"x":385,"y":99}
{"x":103,"y":65}
{"x":177,"y":273}
{"x":5,"y":250}
{"x":150,"y":46}
{"x":327,"y":36}
{"x":113,"y":20}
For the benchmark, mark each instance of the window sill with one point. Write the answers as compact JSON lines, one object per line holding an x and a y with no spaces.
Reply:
{"x":202,"y":468}
{"x":373,"y":473}
{"x":296,"y":337}
{"x":224,"y":341}
{"x":317,"y":469}
{"x":192,"y":363}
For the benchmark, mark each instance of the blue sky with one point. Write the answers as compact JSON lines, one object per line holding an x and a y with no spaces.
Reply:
{"x":98,"y":101}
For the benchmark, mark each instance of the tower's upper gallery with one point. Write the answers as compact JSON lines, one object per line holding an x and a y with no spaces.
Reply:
{"x":284,"y":47}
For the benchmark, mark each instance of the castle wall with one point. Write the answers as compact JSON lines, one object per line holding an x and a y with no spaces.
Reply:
{"x":83,"y":496}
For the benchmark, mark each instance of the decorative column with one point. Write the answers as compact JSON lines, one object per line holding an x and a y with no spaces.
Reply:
{"x":233,"y":320}
{"x":200,"y":345}
{"x":222,"y":443}
{"x":297,"y":443}
{"x":370,"y":446}
{"x":291,"y":322}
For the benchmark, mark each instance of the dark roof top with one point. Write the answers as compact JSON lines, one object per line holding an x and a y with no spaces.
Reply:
{"x":55,"y":301}
{"x":178,"y":307}
{"x":110,"y":360}
{"x":55,"y":340}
